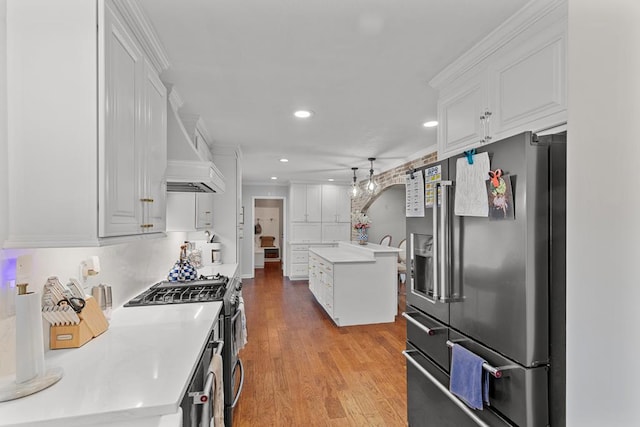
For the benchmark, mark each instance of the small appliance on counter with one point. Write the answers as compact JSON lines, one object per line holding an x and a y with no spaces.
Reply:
{"x":211,"y":253}
{"x":32,"y":375}
{"x":183,"y":270}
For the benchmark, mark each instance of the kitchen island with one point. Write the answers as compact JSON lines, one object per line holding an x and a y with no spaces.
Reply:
{"x":134,"y":374}
{"x":355,"y":284}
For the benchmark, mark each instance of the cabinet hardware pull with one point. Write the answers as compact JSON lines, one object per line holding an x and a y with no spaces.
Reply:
{"x":146,"y":200}
{"x":146,"y":226}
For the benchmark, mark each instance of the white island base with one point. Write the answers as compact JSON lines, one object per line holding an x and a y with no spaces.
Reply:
{"x":355,"y":284}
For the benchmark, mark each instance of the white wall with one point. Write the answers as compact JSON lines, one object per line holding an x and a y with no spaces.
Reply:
{"x":603,"y":231}
{"x":248,"y":193}
{"x":3,"y":123}
{"x":388,"y":215}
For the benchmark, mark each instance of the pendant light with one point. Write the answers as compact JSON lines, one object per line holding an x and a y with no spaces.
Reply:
{"x":372,"y":186}
{"x":355,"y":191}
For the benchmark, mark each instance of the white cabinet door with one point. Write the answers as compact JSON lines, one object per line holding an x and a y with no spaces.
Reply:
{"x":314,"y":203}
{"x":529,"y":84}
{"x":189,"y":211}
{"x":204,"y":211}
{"x":121,"y":156}
{"x":155,"y":153}
{"x":329,"y":200}
{"x":336,"y":203}
{"x":306,"y":202}
{"x":298,"y":200}
{"x":459,"y":112}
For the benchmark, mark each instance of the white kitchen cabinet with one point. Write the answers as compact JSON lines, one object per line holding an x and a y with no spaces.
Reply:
{"x":155,"y":151}
{"x":189,"y":211}
{"x":336,"y":203}
{"x":459,"y":112}
{"x":306,"y":202}
{"x":354,"y":284}
{"x":298,"y":259}
{"x":96,"y":120}
{"x":133,"y":152}
{"x":512,"y":81}
{"x":528,"y":84}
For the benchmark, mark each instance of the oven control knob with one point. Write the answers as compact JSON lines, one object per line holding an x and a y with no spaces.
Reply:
{"x":238,"y":285}
{"x":204,"y":399}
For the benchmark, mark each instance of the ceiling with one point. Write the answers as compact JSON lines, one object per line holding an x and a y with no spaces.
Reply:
{"x":362,"y":67}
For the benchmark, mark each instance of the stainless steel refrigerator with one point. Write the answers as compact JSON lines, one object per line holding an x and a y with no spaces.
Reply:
{"x":496,"y":286}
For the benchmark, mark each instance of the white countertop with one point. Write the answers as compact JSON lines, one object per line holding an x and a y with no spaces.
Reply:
{"x":135,"y":373}
{"x":372,"y":247}
{"x":347,"y":252}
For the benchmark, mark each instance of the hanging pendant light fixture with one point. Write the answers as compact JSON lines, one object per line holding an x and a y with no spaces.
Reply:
{"x":372,"y":186}
{"x":355,"y":191}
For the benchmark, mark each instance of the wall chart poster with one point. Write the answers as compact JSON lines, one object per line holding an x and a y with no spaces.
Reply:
{"x":414,"y":184}
{"x":431,"y":175}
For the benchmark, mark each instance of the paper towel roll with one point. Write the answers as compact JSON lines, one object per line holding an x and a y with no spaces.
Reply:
{"x":29,"y":340}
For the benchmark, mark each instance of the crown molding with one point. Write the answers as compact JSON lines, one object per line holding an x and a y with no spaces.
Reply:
{"x":144,"y":32}
{"x":522,"y":20}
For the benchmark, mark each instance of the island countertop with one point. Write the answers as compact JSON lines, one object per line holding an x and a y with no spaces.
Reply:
{"x":348,"y":252}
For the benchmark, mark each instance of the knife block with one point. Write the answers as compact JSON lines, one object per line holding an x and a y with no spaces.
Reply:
{"x":92,"y":323}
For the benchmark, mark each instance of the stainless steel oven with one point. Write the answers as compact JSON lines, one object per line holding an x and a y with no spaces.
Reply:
{"x":207,"y":289}
{"x":197,"y":402}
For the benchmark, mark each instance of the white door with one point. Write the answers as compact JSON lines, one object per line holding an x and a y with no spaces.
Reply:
{"x":155,"y":153}
{"x":121,"y":165}
{"x":459,"y":112}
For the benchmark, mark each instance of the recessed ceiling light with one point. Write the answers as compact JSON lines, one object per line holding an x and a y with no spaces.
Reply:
{"x":430,"y":124}
{"x":284,"y":160}
{"x":274,"y":177}
{"x":331,"y":179}
{"x":303,"y":114}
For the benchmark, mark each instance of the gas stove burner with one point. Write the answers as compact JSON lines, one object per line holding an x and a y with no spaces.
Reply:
{"x":216,"y":276}
{"x":205,"y":289}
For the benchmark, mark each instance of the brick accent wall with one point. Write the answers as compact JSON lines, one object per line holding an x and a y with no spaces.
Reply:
{"x":386,"y":179}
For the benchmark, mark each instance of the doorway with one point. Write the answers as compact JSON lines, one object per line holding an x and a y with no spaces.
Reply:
{"x":268,"y":232}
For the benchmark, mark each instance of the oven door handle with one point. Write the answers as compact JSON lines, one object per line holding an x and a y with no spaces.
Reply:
{"x":454,"y":399}
{"x":237,"y":396}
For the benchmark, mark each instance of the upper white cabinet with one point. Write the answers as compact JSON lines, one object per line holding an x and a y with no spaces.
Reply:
{"x":459,"y":112}
{"x":86,"y":124}
{"x":132,"y":189}
{"x":306,"y":202}
{"x":336,"y":204}
{"x":189,"y":211}
{"x":512,"y":81}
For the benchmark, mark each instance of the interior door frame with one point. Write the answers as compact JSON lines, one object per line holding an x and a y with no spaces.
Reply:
{"x":284,"y":230}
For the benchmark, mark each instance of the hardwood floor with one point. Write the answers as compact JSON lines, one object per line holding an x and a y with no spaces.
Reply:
{"x":303,"y":370}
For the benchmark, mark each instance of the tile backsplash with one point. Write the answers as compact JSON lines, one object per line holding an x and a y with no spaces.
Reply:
{"x":128,"y":268}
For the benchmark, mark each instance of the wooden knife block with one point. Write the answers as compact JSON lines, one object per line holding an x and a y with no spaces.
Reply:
{"x":92,"y":323}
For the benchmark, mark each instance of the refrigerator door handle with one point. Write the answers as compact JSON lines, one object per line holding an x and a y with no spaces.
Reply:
{"x":454,"y":399}
{"x":428,"y":331}
{"x":436,"y":246}
{"x":441,"y":244}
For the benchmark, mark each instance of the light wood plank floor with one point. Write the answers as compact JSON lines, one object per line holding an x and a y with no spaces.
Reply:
{"x":302,"y":370}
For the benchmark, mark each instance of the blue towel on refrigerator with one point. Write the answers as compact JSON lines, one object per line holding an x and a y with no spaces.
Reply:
{"x":468,"y":380}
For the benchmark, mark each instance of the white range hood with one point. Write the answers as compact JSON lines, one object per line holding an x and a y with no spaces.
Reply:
{"x":187,"y":169}
{"x":194,"y":177}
